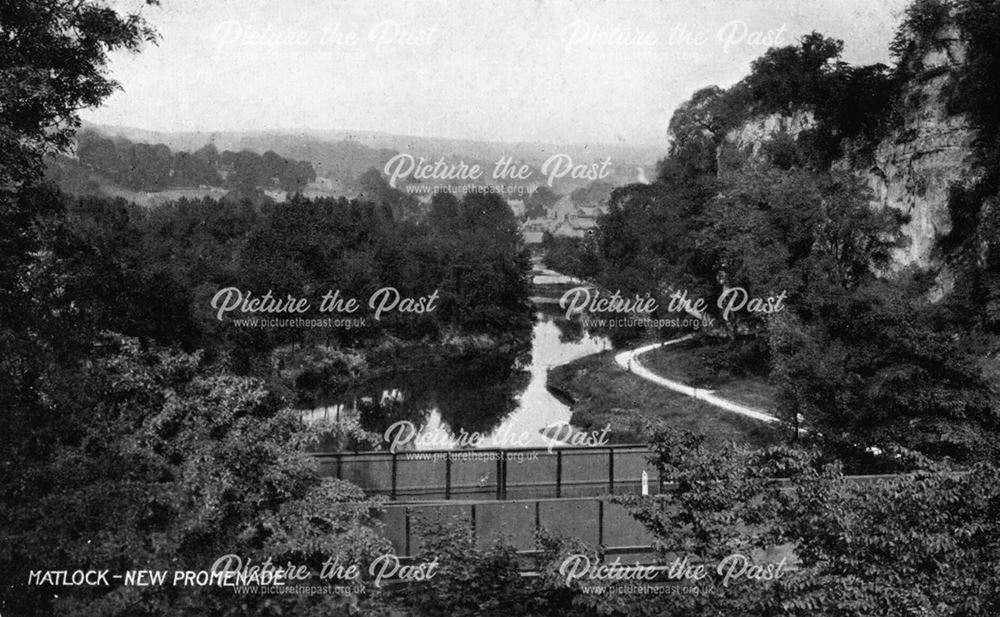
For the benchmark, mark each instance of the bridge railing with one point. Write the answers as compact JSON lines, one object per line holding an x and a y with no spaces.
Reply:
{"x":495,"y":473}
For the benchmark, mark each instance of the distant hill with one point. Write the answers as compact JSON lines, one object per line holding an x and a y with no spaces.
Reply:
{"x":118,"y":166}
{"x":342,"y":156}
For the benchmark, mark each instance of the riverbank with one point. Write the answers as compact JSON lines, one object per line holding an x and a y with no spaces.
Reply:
{"x":696,"y":364}
{"x":603,"y":394}
{"x":311,"y":373}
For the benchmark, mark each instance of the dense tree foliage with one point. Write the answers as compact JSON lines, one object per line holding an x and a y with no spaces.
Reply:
{"x":375,"y":188}
{"x":192,"y":464}
{"x":576,"y":255}
{"x":152,"y":273}
{"x":131,"y":440}
{"x":859,"y":352}
{"x":924,"y":543}
{"x":850,"y":107}
{"x":145,"y":167}
{"x":52,"y":56}
{"x":909,"y":545}
{"x":593,"y":195}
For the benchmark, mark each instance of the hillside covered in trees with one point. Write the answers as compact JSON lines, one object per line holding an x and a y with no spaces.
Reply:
{"x":777,"y":185}
{"x":154,"y":167}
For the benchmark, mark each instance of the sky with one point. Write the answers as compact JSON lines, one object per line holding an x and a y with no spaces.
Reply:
{"x":605,"y":71}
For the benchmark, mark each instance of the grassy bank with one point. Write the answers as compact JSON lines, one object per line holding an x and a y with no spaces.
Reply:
{"x":697,"y":365}
{"x":603,"y":393}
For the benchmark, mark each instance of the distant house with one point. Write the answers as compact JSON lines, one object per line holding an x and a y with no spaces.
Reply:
{"x":575,"y":227}
{"x":533,"y":236}
{"x":580,"y":222}
{"x":562,"y":208}
{"x":533,"y":231}
{"x":589,"y":212}
{"x":567,"y":230}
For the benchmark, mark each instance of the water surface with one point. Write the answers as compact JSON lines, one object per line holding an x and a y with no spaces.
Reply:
{"x":461,"y":406}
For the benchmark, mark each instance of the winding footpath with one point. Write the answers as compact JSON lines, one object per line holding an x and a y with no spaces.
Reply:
{"x":629,"y":360}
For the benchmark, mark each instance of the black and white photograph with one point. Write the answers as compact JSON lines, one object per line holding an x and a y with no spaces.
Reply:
{"x":500,"y":308}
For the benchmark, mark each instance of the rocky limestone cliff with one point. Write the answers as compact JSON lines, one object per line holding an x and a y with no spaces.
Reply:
{"x":915,"y":166}
{"x":751,"y":135}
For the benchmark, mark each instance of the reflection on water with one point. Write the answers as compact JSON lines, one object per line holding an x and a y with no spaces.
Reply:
{"x":555,"y":341}
{"x":543,"y":277}
{"x":505,"y":405}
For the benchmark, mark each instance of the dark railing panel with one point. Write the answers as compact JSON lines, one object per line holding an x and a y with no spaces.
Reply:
{"x":630,"y":465}
{"x":394,"y":528}
{"x":572,"y":518}
{"x":472,"y":476}
{"x":531,"y":477}
{"x":327,"y":465}
{"x":512,"y":522}
{"x":620,"y":529}
{"x":373,"y":473}
{"x":584,"y":473}
{"x":462,"y":513}
{"x":416,"y":477}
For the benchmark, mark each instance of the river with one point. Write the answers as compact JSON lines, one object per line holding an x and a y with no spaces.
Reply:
{"x":456,"y":406}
